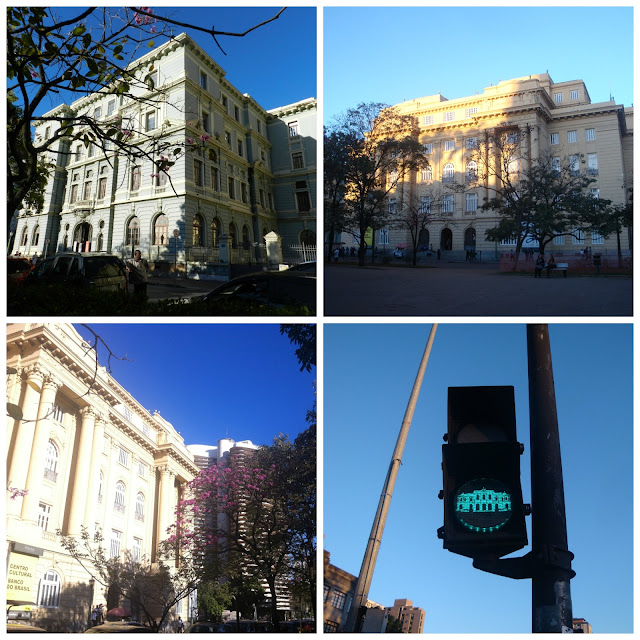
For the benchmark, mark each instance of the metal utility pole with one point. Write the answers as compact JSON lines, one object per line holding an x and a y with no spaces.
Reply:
{"x":354,"y":620}
{"x":551,"y":593}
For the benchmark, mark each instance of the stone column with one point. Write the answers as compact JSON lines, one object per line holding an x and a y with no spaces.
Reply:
{"x":165,"y":503}
{"x":19,"y":463}
{"x":81,"y":474}
{"x":91,"y":508}
{"x":14,"y":387}
{"x":38,"y":458}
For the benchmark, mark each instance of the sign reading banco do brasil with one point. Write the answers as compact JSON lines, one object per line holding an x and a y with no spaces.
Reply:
{"x":483,"y":505}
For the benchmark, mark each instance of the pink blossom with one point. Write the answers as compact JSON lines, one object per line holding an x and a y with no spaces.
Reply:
{"x":205,"y":137}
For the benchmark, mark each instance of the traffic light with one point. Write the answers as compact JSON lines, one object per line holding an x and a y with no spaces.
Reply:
{"x":483,"y":508}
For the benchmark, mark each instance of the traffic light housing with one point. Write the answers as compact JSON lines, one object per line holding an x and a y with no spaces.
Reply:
{"x":483,"y":508}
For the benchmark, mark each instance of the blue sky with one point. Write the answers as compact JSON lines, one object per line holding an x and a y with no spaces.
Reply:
{"x":369,"y":370}
{"x":212,"y":381}
{"x":401,"y":53}
{"x":275,"y":64}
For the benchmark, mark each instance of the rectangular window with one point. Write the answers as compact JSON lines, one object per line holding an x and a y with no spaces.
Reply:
{"x":197,"y":173}
{"x":259,"y":127}
{"x":595,"y":193}
{"x":136,"y":175}
{"x":58,"y":414}
{"x":556,"y":164}
{"x":427,"y":120}
{"x":471,"y":143}
{"x":215,"y":184}
{"x":161,"y":179}
{"x":572,"y":136}
{"x":574,"y":164}
{"x":73,"y":196}
{"x":554,"y":138}
{"x":44,"y":511}
{"x":79,"y":155}
{"x":150,"y":121}
{"x":338,"y":599}
{"x":330,"y":626}
{"x":97,"y":112}
{"x":383,"y":236}
{"x":111,"y":107}
{"x":86,"y":193}
{"x":91,"y":151}
{"x":116,"y":539}
{"x":471,"y":111}
{"x":427,"y":148}
{"x":557,"y":97}
{"x":205,"y":122}
{"x":447,"y":204}
{"x":471,"y":202}
{"x":512,"y":137}
{"x":243,"y":192}
{"x":326,"y":592}
{"x":261,"y":192}
{"x":574,"y":95}
{"x":592,"y":164}
{"x":559,"y":240}
{"x":426,"y":174}
{"x":578,"y":237}
{"x":293,"y":129}
{"x":597,"y":238}
{"x":240,"y":149}
{"x":136,"y":550}
{"x":425,"y":204}
{"x":296,"y":158}
{"x":304,"y":201}
{"x":231,"y":188}
{"x":449,"y":116}
{"x":203,"y":80}
{"x":392,"y":205}
{"x":227,"y":138}
{"x":449,"y":145}
{"x":225,"y":102}
{"x":123,"y":456}
{"x":142,"y":469}
{"x":236,"y":113}
{"x":589,"y":135}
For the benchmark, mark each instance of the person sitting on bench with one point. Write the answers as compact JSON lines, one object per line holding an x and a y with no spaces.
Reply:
{"x":550,"y":265}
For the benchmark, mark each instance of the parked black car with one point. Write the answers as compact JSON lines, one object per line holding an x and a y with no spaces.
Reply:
{"x":277,"y":288}
{"x":96,"y":270}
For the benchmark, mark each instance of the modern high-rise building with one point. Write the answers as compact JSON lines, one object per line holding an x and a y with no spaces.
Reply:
{"x":411,"y":618}
{"x":239,"y":172}
{"x":81,"y":452}
{"x":538,"y":118}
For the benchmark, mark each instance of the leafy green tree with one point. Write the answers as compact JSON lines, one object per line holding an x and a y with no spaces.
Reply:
{"x":336,"y":155}
{"x":393,"y":625}
{"x":304,"y":336}
{"x":380,"y":151}
{"x":214,"y":597}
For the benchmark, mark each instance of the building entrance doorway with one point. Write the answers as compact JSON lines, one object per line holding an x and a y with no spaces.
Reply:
{"x":423,"y":240}
{"x":470,"y":239}
{"x":446,"y":240}
{"x":82,"y":237}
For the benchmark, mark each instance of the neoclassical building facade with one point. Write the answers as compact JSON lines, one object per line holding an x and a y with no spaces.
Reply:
{"x":537,"y":117}
{"x":242,"y":172}
{"x":84,"y":453}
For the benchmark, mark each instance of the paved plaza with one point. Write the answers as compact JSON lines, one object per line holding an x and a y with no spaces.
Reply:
{"x":471,"y":290}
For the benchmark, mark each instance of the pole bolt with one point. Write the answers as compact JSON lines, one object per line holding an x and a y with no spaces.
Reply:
{"x":441,"y":494}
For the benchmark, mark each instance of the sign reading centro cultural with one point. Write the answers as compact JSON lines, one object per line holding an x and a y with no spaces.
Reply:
{"x":21,"y":573}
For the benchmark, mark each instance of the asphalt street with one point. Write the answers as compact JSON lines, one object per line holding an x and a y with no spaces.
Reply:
{"x":471,"y":290}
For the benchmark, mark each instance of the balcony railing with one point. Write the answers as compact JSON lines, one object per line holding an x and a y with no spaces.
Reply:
{"x":51,"y":475}
{"x":118,"y":507}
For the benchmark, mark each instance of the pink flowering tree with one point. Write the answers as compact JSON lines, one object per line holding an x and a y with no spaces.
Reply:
{"x":231,"y":518}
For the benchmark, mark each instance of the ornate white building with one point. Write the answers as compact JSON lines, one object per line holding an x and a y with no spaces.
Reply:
{"x":87,"y":454}
{"x":242,"y":172}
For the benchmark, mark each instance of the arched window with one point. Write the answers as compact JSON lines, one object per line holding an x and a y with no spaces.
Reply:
{"x":118,"y":505}
{"x":161,"y":230}
{"x":133,"y":231}
{"x":140,"y":507}
{"x":233,"y":234}
{"x":100,"y":242}
{"x":472,"y":170}
{"x":448,"y":172}
{"x":49,"y":589}
{"x":197,"y":230}
{"x":308,"y":238}
{"x":215,"y":232}
{"x":425,"y":174}
{"x":35,"y":237}
{"x":51,"y":464}
{"x":25,"y":237}
{"x":245,"y":237}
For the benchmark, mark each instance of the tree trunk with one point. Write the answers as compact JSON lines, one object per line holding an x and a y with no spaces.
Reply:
{"x":275,"y":614}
